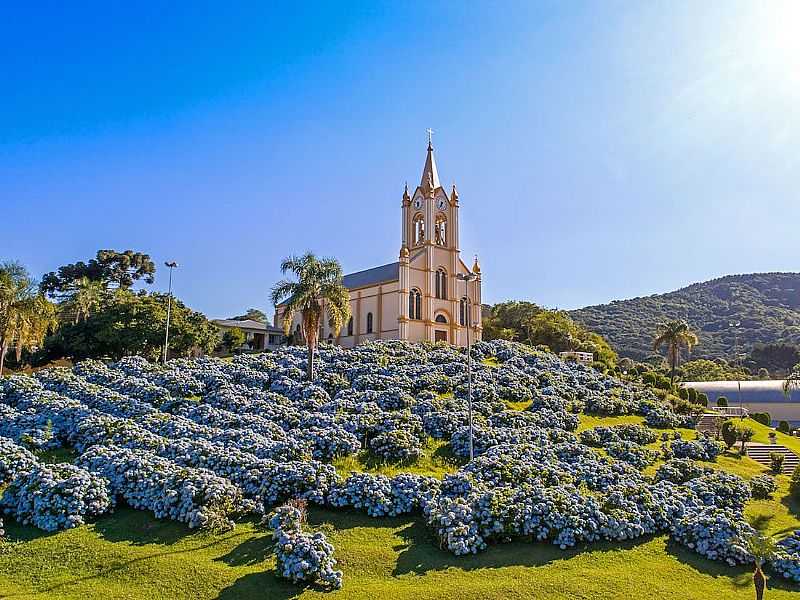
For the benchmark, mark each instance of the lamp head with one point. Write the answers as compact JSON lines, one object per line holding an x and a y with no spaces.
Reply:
{"x":171,"y":264}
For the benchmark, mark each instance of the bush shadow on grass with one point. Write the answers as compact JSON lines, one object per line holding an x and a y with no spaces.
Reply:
{"x":140,"y":528}
{"x":350,"y":518}
{"x":740,"y":575}
{"x":252,"y":551}
{"x":17,"y":532}
{"x":421,"y":553}
{"x":264,"y":584}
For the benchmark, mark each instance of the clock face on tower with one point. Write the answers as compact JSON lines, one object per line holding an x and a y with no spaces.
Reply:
{"x":418,"y":203}
{"x":441,"y":204}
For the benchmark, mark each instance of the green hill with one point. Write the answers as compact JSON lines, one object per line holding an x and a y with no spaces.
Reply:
{"x":767,"y":305}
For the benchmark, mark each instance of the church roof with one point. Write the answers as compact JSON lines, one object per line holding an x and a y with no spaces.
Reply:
{"x":430,"y":174}
{"x":246,"y":324}
{"x":372,"y":276}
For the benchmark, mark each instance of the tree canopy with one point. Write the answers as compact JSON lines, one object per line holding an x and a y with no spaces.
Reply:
{"x":111,"y":268}
{"x":252,"y":314}
{"x":529,"y":323}
{"x":26,"y":316}
{"x":128,"y":323}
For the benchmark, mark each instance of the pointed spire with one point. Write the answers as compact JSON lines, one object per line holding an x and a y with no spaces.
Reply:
{"x":454,"y":195}
{"x":430,"y":175}
{"x":406,"y":197}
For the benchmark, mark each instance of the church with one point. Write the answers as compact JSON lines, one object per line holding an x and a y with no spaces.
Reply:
{"x":429,"y":293}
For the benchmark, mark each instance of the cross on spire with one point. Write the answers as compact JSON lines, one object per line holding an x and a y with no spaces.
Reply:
{"x":430,"y":137}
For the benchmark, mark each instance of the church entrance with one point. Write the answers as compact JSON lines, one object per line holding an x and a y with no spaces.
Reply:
{"x":439,"y":335}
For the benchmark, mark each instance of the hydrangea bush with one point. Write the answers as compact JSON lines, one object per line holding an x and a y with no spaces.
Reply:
{"x":53,"y":497}
{"x":200,"y":439}
{"x":302,"y":557}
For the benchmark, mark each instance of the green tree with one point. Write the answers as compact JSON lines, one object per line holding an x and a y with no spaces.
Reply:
{"x":507,"y":320}
{"x":762,"y":549}
{"x":233,"y":338}
{"x":85,"y":298}
{"x":729,"y":433}
{"x":744,"y":434}
{"x":111,"y":268}
{"x":722,"y":402}
{"x":792,"y":382}
{"x":794,"y":483}
{"x":318,"y":281}
{"x":25,"y":315}
{"x":252,"y":314}
{"x":129,"y":323}
{"x":674,"y":335}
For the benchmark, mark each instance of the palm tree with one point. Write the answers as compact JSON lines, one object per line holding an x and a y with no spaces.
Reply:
{"x":85,"y":298}
{"x":25,"y":315}
{"x":792,"y":382}
{"x":319,"y":282}
{"x":674,"y":335}
{"x":762,"y":548}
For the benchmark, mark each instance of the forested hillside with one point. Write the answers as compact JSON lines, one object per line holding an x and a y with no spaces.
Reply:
{"x":766,"y":305}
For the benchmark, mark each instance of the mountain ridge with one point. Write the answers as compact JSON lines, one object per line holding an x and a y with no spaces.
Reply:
{"x":766,"y":305}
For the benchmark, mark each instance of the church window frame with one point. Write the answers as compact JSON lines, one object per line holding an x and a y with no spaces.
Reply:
{"x":441,"y":283}
{"x":463,"y":311}
{"x":350,"y":327}
{"x":441,"y":319}
{"x":369,"y":322}
{"x":415,"y":304}
{"x":418,"y":229}
{"x":440,"y":230}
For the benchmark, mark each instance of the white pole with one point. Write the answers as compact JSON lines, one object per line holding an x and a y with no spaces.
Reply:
{"x":171,"y":265}
{"x":469,"y":366}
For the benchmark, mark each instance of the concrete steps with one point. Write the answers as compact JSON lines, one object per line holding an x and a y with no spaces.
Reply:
{"x":706,"y":423}
{"x":760,"y":453}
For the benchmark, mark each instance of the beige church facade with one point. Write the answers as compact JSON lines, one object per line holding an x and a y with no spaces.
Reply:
{"x":423,"y":296}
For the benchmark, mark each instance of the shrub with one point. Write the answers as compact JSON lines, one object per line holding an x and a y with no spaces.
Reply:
{"x":744,"y":434}
{"x":729,"y":433}
{"x":762,"y":486}
{"x":702,"y":399}
{"x":794,"y":483}
{"x":776,"y":462}
{"x":722,"y":401}
{"x":396,"y":446}
{"x":302,"y":557}
{"x":761,"y":417}
{"x":704,"y":448}
{"x":680,"y":470}
{"x":783,"y":427}
{"x":56,"y":496}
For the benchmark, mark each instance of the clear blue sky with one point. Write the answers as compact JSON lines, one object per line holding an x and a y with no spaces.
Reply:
{"x":601,"y":150}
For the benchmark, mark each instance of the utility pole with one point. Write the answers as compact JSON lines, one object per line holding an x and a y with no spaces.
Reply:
{"x":466,"y":278}
{"x":171,"y":264}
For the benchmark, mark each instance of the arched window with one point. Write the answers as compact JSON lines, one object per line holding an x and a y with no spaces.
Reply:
{"x":418,"y":229}
{"x":462,"y":311}
{"x":440,"y":230}
{"x":441,"y":319}
{"x":369,"y":322}
{"x":330,"y":338}
{"x":441,"y":284}
{"x":414,"y":304}
{"x":350,"y":326}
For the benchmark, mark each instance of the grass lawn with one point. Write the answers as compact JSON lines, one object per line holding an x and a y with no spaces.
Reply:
{"x":131,"y":555}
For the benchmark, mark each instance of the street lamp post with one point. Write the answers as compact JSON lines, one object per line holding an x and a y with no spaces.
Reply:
{"x":735,"y":325}
{"x":171,"y":264}
{"x":466,"y":278}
